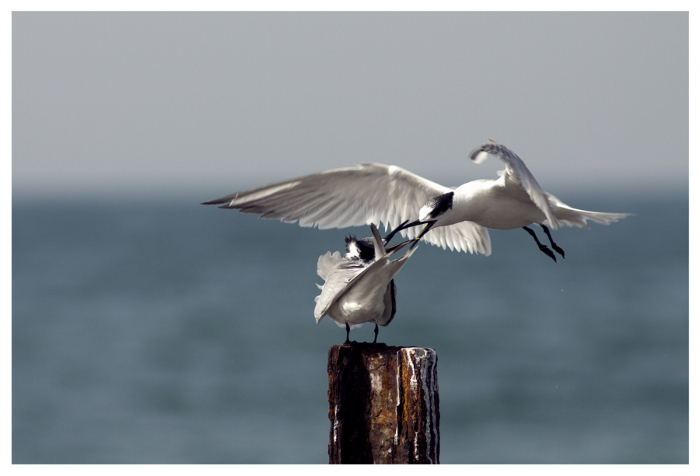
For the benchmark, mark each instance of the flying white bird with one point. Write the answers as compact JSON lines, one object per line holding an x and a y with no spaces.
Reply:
{"x":457,"y":218}
{"x":359,"y":287}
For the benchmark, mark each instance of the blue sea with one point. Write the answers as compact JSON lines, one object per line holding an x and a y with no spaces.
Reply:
{"x":164,"y":331}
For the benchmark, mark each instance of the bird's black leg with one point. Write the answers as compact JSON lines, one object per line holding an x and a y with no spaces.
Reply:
{"x":347,"y":336}
{"x":542,"y":247}
{"x":551,"y":242}
{"x":376,"y":333}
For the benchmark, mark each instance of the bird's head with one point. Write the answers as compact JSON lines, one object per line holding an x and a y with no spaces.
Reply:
{"x":436,"y":207}
{"x":359,"y":249}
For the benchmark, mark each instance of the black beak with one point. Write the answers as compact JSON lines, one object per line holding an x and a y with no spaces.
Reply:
{"x":403,"y":243}
{"x":402,"y":226}
{"x":425,"y":230}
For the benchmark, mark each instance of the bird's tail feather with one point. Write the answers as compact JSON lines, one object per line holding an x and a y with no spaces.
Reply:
{"x":574,"y":217}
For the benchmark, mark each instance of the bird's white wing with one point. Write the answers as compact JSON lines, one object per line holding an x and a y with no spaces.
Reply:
{"x":464,"y":236}
{"x":326,"y":263}
{"x":347,"y":273}
{"x":352,"y":196}
{"x":519,"y":174}
{"x":379,"y":250}
{"x":336,"y":284}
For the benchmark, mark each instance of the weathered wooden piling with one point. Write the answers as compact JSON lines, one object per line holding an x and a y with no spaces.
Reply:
{"x":383,"y":404}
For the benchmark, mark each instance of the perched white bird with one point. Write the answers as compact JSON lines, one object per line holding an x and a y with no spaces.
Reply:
{"x":457,"y":218}
{"x":359,"y":287}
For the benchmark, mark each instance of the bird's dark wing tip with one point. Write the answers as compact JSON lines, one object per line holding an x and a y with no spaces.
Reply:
{"x":216,"y":201}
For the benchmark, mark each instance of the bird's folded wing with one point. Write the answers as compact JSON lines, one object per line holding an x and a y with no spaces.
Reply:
{"x":379,"y":250}
{"x":338,"y":281}
{"x":352,"y":196}
{"x":348,"y":274}
{"x":518,"y":173}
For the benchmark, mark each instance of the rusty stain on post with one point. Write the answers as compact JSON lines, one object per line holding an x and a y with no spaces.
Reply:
{"x":383,"y":404}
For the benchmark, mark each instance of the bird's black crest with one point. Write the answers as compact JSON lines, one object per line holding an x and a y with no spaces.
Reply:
{"x":365,"y":247}
{"x":440,"y":204}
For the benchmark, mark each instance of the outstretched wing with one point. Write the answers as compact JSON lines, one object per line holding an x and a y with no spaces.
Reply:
{"x":355,"y":196}
{"x":352,"y":196}
{"x":519,"y":175}
{"x":464,"y":236}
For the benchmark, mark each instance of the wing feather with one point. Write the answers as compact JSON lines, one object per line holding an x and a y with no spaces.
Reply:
{"x":326,"y":263}
{"x":370,"y":192}
{"x":337,"y":282}
{"x":355,"y":196}
{"x":519,"y":175}
{"x":466,"y":236}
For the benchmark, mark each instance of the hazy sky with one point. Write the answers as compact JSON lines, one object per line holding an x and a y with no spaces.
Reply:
{"x":127,"y":102}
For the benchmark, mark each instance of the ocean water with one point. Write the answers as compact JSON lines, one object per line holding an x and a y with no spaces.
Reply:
{"x":171,"y":332}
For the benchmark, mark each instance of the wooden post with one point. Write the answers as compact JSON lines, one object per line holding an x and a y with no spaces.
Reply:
{"x":383,"y":404}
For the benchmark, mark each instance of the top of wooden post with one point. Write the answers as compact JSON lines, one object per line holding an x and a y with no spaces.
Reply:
{"x":383,"y":404}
